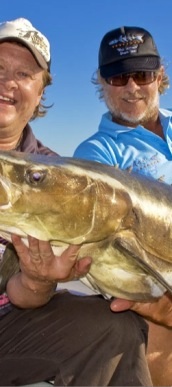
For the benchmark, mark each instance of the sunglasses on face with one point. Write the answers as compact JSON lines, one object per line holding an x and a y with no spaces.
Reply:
{"x":140,"y":78}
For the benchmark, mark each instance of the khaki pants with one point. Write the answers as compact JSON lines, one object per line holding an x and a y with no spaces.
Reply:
{"x":77,"y":341}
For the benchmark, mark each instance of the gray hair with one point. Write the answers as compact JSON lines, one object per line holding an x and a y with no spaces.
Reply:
{"x":98,"y":81}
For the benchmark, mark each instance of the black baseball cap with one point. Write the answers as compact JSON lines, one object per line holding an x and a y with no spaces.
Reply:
{"x":127,"y":49}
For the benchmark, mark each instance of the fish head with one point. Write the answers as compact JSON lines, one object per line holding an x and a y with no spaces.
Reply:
{"x":58,"y":199}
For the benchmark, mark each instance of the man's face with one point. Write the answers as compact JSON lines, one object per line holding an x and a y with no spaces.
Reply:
{"x":21,"y":86}
{"x":133,"y":104}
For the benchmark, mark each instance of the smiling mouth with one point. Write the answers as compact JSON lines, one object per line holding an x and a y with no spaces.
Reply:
{"x":133,"y":100}
{"x":6,"y":100}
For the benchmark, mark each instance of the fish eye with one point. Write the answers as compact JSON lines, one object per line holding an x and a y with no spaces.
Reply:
{"x":34,"y":176}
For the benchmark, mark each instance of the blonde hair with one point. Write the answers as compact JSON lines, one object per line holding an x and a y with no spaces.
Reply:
{"x":41,"y":109}
{"x":98,"y":81}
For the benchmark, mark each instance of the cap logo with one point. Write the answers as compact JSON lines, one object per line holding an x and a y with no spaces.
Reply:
{"x":34,"y":38}
{"x":127,"y":44}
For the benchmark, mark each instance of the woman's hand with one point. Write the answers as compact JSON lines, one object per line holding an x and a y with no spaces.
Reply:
{"x":40,"y":271}
{"x":38,"y":261}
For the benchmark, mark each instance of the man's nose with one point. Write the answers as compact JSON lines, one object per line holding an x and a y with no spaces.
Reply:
{"x":131,"y":84}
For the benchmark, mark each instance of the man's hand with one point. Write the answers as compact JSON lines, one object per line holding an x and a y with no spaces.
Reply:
{"x":159,"y":311}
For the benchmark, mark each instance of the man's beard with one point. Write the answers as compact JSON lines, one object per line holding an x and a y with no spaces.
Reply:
{"x":146,"y":115}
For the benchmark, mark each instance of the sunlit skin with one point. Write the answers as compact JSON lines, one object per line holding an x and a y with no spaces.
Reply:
{"x":159,"y":311}
{"x":39,"y":262}
{"x":21,"y":87}
{"x":133,"y":105}
{"x":41,"y":270}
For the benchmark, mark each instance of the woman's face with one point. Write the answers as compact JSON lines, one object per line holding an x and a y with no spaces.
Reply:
{"x":21,"y":86}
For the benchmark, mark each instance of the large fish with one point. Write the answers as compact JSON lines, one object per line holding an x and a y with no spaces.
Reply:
{"x":123,"y":220}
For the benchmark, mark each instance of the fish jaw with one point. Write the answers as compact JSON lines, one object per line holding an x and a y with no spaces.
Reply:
{"x":9,"y":194}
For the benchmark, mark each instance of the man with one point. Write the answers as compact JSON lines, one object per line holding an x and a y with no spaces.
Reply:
{"x":45,"y":335}
{"x":135,"y":133}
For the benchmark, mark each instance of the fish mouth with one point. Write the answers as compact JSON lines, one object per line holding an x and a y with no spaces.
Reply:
{"x":9,"y":193}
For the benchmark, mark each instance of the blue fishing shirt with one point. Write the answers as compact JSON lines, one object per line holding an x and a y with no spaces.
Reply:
{"x":136,"y":148}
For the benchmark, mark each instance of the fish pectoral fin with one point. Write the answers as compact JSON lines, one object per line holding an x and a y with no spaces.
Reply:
{"x":132,"y":247}
{"x":88,"y":280}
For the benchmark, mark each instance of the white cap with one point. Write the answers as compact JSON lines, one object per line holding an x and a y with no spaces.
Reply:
{"x":22,"y":30}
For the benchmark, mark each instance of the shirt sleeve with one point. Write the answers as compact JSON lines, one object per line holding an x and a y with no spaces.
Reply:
{"x":95,"y":150}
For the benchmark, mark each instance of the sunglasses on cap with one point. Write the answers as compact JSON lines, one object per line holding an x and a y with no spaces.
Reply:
{"x":139,"y":77}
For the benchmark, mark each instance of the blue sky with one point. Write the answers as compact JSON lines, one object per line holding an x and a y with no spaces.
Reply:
{"x":75,"y":29}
